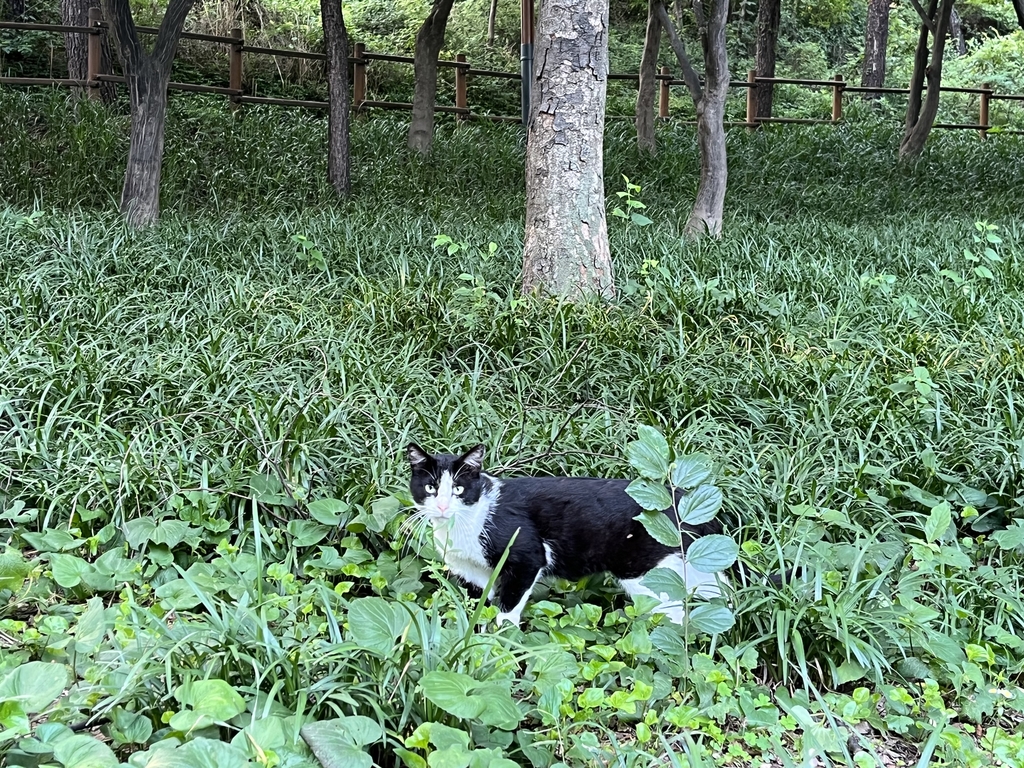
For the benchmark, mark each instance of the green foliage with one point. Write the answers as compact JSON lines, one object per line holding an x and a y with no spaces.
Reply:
{"x":202,"y":489}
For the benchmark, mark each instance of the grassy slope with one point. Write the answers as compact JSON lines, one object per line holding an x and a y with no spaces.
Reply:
{"x":839,"y":381}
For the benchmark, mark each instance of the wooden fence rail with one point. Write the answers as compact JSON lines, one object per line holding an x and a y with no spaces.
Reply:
{"x":361,"y":58}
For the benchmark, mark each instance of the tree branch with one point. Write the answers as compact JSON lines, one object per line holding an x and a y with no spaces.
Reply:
{"x":925,"y":18}
{"x":118,"y":14}
{"x":170,"y":32}
{"x":690,"y":76}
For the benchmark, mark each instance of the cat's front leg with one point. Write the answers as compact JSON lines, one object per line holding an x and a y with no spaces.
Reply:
{"x":514,"y":592}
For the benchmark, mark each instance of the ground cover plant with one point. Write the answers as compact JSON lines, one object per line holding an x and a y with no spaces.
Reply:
{"x":202,"y":477}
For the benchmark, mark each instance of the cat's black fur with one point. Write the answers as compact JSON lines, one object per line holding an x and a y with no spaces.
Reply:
{"x":587,"y":523}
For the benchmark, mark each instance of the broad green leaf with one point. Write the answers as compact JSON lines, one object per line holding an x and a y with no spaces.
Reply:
{"x":201,"y":753}
{"x":452,"y":757}
{"x":711,"y":619}
{"x":444,"y":736}
{"x":690,"y":471}
{"x":91,"y":627}
{"x":69,"y":570}
{"x":328,"y":511}
{"x":214,"y":698}
{"x":306,"y":533}
{"x":338,"y":743}
{"x":466,"y":698}
{"x":712,"y":553}
{"x":1012,"y":537}
{"x":13,"y":569}
{"x":665,"y":581}
{"x":699,"y":505}
{"x":177,"y":595}
{"x":650,"y":495}
{"x":649,"y":454}
{"x":169,"y":533}
{"x":591,"y":698}
{"x":410,"y":759}
{"x":13,"y":720}
{"x":355,"y":729}
{"x":374,"y":623}
{"x":267,"y":488}
{"x":660,"y":527}
{"x":938,"y":522}
{"x":666,"y":639}
{"x":82,"y":751}
{"x":129,"y":727}
{"x":35,"y":685}
{"x":138,"y":531}
{"x":52,"y":540}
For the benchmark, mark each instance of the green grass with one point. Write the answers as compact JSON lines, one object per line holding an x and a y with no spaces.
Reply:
{"x":174,"y":401}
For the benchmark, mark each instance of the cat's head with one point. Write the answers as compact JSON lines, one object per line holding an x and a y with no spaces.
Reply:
{"x":442,"y":484}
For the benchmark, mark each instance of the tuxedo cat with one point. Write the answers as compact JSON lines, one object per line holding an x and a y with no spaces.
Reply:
{"x":569,"y":527}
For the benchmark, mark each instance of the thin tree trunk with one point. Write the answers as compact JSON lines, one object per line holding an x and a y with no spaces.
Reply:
{"x":1018,"y":8}
{"x":566,"y":248}
{"x":429,"y":41}
{"x":927,"y":72}
{"x":336,"y":42}
{"x":876,"y":44}
{"x":709,"y":100}
{"x":492,"y":21}
{"x":769,"y":16}
{"x":148,"y":75}
{"x":956,"y":31}
{"x":648,"y":81}
{"x":75,"y":13}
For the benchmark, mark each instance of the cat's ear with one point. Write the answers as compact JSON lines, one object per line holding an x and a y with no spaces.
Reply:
{"x":473,"y":458}
{"x":417,"y":456}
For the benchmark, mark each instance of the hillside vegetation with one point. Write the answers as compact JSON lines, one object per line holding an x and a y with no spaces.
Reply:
{"x":202,"y":482}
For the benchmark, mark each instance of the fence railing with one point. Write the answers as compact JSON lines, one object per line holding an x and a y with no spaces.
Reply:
{"x":361,"y":59}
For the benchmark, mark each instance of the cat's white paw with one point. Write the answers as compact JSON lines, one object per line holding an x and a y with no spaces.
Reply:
{"x":512,"y":617}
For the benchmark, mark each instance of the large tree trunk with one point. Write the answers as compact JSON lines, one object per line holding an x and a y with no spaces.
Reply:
{"x":336,"y":43}
{"x":648,"y":81}
{"x":709,"y":100}
{"x":75,"y":13}
{"x":140,"y":198}
{"x":956,"y":31}
{"x":927,"y":72}
{"x":566,"y":248}
{"x":1018,"y":8}
{"x":876,"y":44}
{"x":492,"y":21}
{"x":769,"y":16}
{"x":148,"y":75}
{"x":429,"y":41}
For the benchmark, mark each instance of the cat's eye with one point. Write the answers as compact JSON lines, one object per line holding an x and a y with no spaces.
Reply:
{"x":430,"y":489}
{"x":457,"y":490}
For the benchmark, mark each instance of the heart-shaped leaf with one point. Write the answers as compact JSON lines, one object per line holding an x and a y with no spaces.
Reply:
{"x":34,"y":685}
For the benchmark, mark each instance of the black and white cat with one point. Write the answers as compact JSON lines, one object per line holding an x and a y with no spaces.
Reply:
{"x":569,"y":527}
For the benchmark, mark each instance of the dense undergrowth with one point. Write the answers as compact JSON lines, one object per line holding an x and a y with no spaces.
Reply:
{"x":201,"y":474}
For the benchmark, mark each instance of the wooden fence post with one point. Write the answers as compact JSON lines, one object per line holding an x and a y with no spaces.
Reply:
{"x":235,"y":68}
{"x":986,"y":94}
{"x":461,"y":95}
{"x":663,"y":92}
{"x":94,"y":53}
{"x":358,"y":76}
{"x":837,"y":98}
{"x":751,"y":99}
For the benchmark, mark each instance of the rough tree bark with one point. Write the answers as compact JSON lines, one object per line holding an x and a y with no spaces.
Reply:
{"x":876,"y":43}
{"x":769,"y":16}
{"x":648,"y":81}
{"x":148,"y":75}
{"x":75,"y":13}
{"x":956,"y":31}
{"x":709,"y":100}
{"x":336,"y":43}
{"x":429,"y":41}
{"x":927,"y":75}
{"x":492,"y":22}
{"x":566,"y":248}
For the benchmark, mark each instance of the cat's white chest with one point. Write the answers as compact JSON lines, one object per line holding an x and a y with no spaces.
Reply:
{"x":463,"y":553}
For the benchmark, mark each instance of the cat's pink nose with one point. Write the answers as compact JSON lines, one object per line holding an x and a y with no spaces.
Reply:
{"x":442,"y":506}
